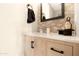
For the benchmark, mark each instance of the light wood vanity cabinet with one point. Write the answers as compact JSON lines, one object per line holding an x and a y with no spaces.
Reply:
{"x":38,"y":46}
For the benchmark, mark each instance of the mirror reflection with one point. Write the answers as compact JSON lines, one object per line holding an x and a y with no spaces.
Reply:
{"x":52,"y":10}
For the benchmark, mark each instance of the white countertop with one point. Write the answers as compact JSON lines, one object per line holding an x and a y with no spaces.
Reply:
{"x":55,"y":36}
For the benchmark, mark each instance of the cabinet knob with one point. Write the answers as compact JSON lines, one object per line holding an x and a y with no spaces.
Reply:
{"x":32,"y":44}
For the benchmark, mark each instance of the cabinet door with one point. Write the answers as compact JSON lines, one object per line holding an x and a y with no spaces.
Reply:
{"x":56,"y":49}
{"x":29,"y":49}
{"x":35,"y":46}
{"x":40,"y":47}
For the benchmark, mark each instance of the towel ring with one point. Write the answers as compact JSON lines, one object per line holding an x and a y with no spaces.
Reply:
{"x":28,"y":5}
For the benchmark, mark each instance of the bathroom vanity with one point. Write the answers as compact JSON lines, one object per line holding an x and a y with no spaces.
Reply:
{"x":42,"y":44}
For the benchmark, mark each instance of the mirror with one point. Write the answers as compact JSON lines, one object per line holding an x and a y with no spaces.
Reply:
{"x":52,"y":11}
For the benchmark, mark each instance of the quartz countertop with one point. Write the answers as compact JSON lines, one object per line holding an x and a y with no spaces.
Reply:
{"x":55,"y":36}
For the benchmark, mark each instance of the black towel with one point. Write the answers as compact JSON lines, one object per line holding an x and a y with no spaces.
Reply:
{"x":31,"y":16}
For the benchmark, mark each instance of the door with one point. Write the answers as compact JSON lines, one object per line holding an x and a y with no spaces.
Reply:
{"x":29,"y":49}
{"x":34,"y":46}
{"x":40,"y":46}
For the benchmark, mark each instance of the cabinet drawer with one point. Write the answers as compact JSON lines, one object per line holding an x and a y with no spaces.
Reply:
{"x":56,"y":49}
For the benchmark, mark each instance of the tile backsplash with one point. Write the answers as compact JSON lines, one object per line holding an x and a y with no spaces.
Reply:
{"x":59,"y":23}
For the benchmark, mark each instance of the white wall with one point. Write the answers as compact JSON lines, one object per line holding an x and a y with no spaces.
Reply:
{"x":77,"y":18}
{"x":11,"y":26}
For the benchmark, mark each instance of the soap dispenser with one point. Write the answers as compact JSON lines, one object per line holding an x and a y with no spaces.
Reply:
{"x":68,"y":24}
{"x":68,"y":27}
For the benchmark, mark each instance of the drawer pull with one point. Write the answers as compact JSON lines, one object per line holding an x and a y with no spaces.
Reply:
{"x":32,"y":44}
{"x":57,"y":51}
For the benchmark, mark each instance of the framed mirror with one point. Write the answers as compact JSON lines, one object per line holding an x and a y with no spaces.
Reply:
{"x":51,"y":11}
